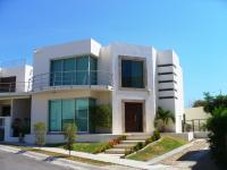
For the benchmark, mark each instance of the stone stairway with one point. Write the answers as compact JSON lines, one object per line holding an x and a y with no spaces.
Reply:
{"x":125,"y":145}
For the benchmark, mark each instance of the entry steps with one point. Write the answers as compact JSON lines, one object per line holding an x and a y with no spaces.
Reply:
{"x":127,"y":144}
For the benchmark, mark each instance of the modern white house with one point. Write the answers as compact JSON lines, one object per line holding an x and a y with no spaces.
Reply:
{"x":70,"y":79}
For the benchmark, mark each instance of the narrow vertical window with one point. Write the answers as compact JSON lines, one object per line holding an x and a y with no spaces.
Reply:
{"x":82,"y":111}
{"x":55,"y":115}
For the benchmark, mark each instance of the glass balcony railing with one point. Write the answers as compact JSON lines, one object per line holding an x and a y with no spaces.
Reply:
{"x":71,"y":78}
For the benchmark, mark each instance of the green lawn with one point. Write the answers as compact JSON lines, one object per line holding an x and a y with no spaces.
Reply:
{"x":83,"y":146}
{"x":88,"y":147}
{"x":166,"y":144}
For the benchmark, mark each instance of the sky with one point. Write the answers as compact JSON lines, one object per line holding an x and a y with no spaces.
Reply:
{"x":195,"y":29}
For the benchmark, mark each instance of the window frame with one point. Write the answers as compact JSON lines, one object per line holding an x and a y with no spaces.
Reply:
{"x":133,"y":58}
{"x":75,"y":57}
{"x":61,"y":102}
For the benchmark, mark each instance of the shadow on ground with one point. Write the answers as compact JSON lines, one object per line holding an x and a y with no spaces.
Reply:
{"x":202,"y":159}
{"x":53,"y":158}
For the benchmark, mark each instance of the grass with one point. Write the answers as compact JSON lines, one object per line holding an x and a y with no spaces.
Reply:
{"x":88,"y":147}
{"x":165,"y":145}
{"x":83,"y":146}
{"x":73,"y":158}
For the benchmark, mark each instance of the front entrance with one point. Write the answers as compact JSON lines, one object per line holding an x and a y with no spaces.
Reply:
{"x":133,"y":117}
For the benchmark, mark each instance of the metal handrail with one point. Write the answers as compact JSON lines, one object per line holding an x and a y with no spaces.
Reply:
{"x":74,"y":78}
{"x":9,"y":87}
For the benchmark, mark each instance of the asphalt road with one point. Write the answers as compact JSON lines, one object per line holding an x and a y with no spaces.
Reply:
{"x":11,"y":161}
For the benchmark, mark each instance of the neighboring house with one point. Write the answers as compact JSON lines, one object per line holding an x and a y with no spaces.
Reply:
{"x":15,"y":99}
{"x":196,"y":113}
{"x":196,"y":118}
{"x":69,"y":79}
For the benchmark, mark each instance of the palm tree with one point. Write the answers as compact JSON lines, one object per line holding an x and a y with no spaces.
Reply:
{"x":162,"y":118}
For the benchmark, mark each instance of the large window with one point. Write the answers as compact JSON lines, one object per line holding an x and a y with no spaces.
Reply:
{"x":70,"y":110}
{"x":132,"y":73}
{"x":74,"y":71}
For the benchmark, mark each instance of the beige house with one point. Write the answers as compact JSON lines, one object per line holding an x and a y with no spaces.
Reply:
{"x":196,"y":117}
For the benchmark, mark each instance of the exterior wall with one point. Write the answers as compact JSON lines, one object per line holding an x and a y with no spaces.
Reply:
{"x":196,"y":113}
{"x":23,"y":75}
{"x":175,"y":104}
{"x":145,"y":95}
{"x":40,"y":108}
{"x":43,"y":56}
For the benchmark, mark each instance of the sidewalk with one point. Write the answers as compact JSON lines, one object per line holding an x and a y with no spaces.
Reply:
{"x":110,"y":159}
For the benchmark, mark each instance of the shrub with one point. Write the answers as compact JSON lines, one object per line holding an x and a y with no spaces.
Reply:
{"x":40,"y":132}
{"x":104,"y":116}
{"x":70,"y":131}
{"x":138,"y":146}
{"x":217,"y":125}
{"x":156,"y":135}
{"x":188,"y":127}
{"x":149,"y":140}
{"x":101,"y":118}
{"x":110,"y":144}
{"x":203,"y":127}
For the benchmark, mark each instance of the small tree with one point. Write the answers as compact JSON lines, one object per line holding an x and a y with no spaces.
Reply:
{"x":162,"y":119}
{"x":199,"y":103}
{"x":40,"y":132}
{"x":70,"y":131}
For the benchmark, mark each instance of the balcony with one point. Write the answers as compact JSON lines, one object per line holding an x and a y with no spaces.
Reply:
{"x":7,"y":88}
{"x":65,"y":80}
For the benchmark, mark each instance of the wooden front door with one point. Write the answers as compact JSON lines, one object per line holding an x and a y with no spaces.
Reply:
{"x":133,"y":117}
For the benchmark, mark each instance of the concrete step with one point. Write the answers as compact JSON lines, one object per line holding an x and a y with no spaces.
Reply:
{"x":115,"y":151}
{"x":132,"y":141}
{"x":122,"y":145}
{"x":137,"y":137}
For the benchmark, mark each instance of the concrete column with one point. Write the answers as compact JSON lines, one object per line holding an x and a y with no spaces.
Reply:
{"x":7,"y":128}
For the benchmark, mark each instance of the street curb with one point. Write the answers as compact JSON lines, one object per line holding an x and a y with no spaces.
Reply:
{"x":47,"y":158}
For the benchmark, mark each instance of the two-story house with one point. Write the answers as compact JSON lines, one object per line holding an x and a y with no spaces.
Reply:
{"x":15,"y":98}
{"x":70,"y":79}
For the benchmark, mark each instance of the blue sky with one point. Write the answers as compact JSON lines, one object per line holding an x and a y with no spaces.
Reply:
{"x":195,"y":29}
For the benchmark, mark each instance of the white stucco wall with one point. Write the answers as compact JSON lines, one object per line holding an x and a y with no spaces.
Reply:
{"x":23,"y":75}
{"x":43,"y":56}
{"x":121,"y":94}
{"x":175,"y":105}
